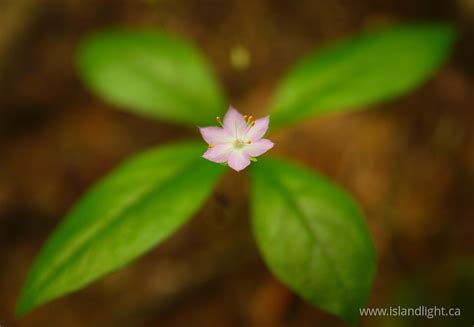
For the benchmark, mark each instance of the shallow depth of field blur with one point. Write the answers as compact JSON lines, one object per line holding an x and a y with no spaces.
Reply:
{"x":409,"y":163}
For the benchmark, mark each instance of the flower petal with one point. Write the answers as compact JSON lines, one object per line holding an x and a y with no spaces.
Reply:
{"x":218,"y":153}
{"x":259,"y":147}
{"x":238,"y":160}
{"x":234,"y":123}
{"x":215,"y":135}
{"x":257,"y":131}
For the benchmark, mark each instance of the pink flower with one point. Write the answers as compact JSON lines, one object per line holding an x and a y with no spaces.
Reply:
{"x":238,"y":141}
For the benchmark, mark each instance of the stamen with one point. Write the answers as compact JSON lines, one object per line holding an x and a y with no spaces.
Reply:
{"x":218,"y":119}
{"x":210,"y":146}
{"x":252,"y":124}
{"x":249,"y":120}
{"x":249,"y":142}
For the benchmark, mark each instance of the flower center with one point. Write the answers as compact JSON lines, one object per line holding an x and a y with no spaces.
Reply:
{"x":239,"y":144}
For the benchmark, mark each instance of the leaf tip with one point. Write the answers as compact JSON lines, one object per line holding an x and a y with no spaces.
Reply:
{"x":23,"y":306}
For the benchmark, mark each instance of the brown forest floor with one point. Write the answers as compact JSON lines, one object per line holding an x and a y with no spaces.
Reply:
{"x":410,"y":163}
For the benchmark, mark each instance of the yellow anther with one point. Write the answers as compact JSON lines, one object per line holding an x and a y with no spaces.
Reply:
{"x":249,"y":142}
{"x":219,"y":121}
{"x":246,"y":117}
{"x":250,"y":118}
{"x":211,"y":146}
{"x":252,"y":124}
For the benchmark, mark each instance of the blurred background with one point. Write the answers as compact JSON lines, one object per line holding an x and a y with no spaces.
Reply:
{"x":409,"y":163}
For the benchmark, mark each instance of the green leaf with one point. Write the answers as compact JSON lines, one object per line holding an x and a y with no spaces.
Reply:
{"x":312,"y":237}
{"x":136,"y":207}
{"x":151,"y":73}
{"x":362,"y":71}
